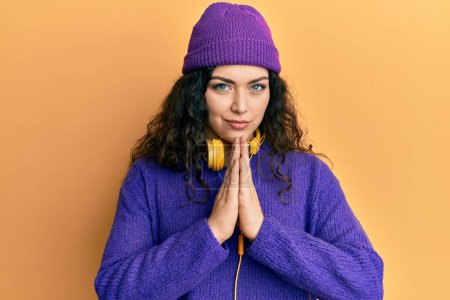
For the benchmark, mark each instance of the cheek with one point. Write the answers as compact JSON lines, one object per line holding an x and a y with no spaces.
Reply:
{"x":259,"y":107}
{"x":214,"y":112}
{"x":215,"y":106}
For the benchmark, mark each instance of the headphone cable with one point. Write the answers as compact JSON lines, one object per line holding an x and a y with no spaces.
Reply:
{"x":241,"y":253}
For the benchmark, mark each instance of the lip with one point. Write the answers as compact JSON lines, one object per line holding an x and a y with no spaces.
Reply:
{"x":237,"y":121}
{"x":238,"y":125}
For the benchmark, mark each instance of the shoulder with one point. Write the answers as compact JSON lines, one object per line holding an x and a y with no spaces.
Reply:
{"x":146,"y":162}
{"x":150,"y":164}
{"x":152,"y":170}
{"x":145,"y":168}
{"x":317,"y":169}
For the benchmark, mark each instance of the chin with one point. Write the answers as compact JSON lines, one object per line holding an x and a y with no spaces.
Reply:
{"x":231,"y":135}
{"x":227,"y":138}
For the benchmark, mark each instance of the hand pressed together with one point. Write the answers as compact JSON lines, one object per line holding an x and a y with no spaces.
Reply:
{"x":237,"y":202}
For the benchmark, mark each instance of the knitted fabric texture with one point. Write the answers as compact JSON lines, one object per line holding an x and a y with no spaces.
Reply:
{"x":315,"y":244}
{"x":231,"y":34}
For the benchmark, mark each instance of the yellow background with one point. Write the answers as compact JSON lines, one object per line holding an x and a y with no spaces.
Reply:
{"x":79,"y":81}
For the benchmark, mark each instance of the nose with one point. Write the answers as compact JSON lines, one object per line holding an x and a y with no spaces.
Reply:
{"x":239,"y":103}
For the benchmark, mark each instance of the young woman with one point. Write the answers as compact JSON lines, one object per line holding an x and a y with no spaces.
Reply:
{"x":222,"y":199}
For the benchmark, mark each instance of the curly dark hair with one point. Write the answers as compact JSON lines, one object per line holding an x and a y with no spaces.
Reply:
{"x":178,"y":129}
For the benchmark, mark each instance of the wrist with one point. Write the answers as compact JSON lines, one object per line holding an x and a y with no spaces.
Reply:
{"x":215,"y":232}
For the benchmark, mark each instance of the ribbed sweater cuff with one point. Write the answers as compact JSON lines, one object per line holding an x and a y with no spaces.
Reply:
{"x":221,"y":251}
{"x":268,"y":241}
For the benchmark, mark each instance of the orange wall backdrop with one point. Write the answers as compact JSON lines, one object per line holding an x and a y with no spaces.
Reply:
{"x":79,"y":81}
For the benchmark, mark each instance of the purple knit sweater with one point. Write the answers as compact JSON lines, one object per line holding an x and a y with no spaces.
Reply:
{"x":315,"y":244}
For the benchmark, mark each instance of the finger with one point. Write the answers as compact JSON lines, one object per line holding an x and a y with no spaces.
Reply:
{"x":226,"y":177}
{"x":244,"y":164}
{"x":226,"y":181}
{"x":245,"y":152}
{"x":233,"y":148}
{"x":245,"y":149}
{"x":227,"y":172}
{"x":243,"y":175}
{"x":233,"y":161}
{"x":233,"y":156}
{"x":236,"y":148}
{"x":222,"y":187}
{"x":237,"y":157}
{"x":233,"y":182}
{"x":249,"y":170}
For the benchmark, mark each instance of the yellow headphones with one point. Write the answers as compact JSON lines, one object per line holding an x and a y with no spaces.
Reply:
{"x":216,"y":150}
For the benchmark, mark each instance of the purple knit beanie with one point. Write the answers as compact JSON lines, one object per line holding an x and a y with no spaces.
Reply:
{"x":231,"y":34}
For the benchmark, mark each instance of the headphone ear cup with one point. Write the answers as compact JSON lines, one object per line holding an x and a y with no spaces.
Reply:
{"x":254,"y":146}
{"x":215,"y":154}
{"x":210,"y":154}
{"x":219,"y":155}
{"x":255,"y":142}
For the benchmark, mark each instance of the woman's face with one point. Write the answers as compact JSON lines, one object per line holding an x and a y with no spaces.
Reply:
{"x":236,"y":92}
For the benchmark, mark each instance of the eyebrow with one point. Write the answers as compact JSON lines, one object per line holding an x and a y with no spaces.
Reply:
{"x":231,"y":81}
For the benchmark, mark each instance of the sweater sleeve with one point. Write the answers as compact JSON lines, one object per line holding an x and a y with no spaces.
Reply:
{"x":134,"y":267}
{"x":335,"y":261}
